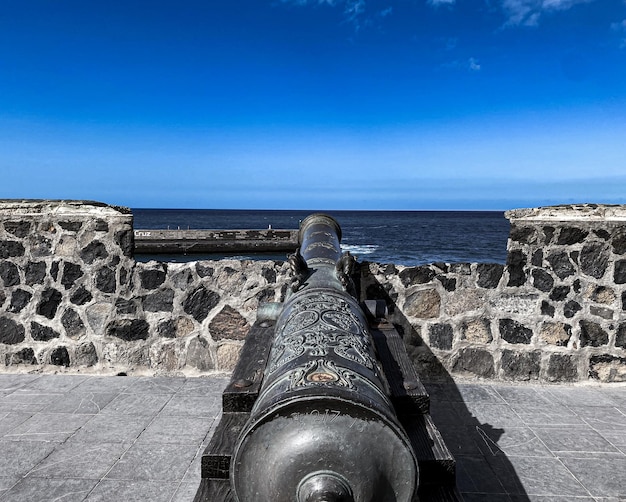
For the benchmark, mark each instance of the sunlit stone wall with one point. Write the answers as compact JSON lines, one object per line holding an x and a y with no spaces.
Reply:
{"x":555,"y":312}
{"x":71,"y":295}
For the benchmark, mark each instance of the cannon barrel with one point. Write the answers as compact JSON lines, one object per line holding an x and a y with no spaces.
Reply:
{"x":323,"y":428}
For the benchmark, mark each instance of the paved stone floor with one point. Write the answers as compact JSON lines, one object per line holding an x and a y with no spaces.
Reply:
{"x":70,"y":438}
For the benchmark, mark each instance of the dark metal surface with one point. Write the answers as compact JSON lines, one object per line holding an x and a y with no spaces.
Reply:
{"x":323,"y":427}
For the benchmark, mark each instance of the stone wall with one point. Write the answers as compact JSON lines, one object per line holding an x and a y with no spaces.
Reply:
{"x":555,"y":312}
{"x":71,"y":295}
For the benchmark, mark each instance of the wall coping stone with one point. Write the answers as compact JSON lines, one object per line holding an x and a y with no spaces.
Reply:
{"x":33,"y":207}
{"x":569,"y":212}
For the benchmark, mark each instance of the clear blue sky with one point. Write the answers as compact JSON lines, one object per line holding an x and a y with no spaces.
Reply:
{"x":325,"y":104}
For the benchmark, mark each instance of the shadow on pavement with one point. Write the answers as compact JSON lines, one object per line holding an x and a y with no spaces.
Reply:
{"x":461,"y":412}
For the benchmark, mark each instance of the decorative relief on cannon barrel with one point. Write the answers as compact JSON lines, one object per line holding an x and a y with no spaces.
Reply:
{"x":317,"y":324}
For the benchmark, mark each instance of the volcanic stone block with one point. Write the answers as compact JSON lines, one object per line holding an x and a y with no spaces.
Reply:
{"x":620,"y":337}
{"x":49,"y":302}
{"x":105,"y":280}
{"x":125,"y":239}
{"x":199,"y":354}
{"x":559,"y":293}
{"x":603,"y":312}
{"x":42,"y":333}
{"x":71,"y":272}
{"x":476,"y":361}
{"x":60,"y":357}
{"x":571,"y":235}
{"x":97,"y":315}
{"x":592,"y":334}
{"x":124,"y":275}
{"x":160,"y":301}
{"x":547,"y":308}
{"x":227,"y":356}
{"x":152,"y":279}
{"x":81,"y":296}
{"x":228,"y":324}
{"x":607,"y":368}
{"x":555,"y":333}
{"x":10,"y":331}
{"x":562,"y":368}
{"x":520,"y":365}
{"x":200,"y":302}
{"x":594,"y":259}
{"x":182,"y":279}
{"x":514,"y":332}
{"x":101,"y":225}
{"x":11,"y":249}
{"x":167,"y":329}
{"x":73,"y":324}
{"x":603,"y":294}
{"x":523,"y":235}
{"x":19,"y":300}
{"x":9,"y":273}
{"x":619,"y":241}
{"x":477,"y":330}
{"x":416,"y":275}
{"x":86,"y":355}
{"x":603,"y":234}
{"x":93,"y":251}
{"x":619,"y":275}
{"x":24,"y":356}
{"x":548,"y":233}
{"x":542,"y":280}
{"x":537,"y":258}
{"x":129,"y":330}
{"x":35,"y":272}
{"x":124,"y":306}
{"x":18,"y":228}
{"x":561,"y":264}
{"x":440,"y":336}
{"x":424,"y":304}
{"x":489,"y":275}
{"x":71,"y":226}
{"x":515,"y":262}
{"x":204,"y":270}
{"x":54,"y":270}
{"x":448,"y":283}
{"x":570,"y":309}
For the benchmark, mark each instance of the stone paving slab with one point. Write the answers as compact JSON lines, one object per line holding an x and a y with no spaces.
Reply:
{"x":516,"y":442}
{"x":95,"y":438}
{"x":98,"y":438}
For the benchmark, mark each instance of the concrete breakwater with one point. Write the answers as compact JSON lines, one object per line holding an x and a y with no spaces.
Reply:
{"x":72,"y":295}
{"x":149,"y":241}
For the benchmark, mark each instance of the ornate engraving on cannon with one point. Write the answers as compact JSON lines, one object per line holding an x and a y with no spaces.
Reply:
{"x":319,"y":326}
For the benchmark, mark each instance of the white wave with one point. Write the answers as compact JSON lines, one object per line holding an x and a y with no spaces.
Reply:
{"x":360,"y":249}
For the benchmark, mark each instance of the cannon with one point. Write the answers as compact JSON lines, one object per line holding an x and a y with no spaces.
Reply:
{"x":324,"y":404}
{"x":323,"y":427}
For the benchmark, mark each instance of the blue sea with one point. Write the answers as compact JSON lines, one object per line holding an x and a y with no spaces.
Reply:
{"x":400,"y":237}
